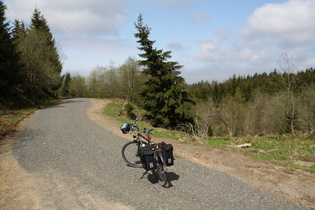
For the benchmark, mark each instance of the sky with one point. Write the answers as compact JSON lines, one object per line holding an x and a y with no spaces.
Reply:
{"x":212,"y":39}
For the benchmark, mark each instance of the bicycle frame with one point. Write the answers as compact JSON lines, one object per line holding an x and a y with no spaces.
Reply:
{"x":138,"y":136}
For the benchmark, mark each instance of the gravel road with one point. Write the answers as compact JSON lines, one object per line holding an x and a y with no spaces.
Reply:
{"x":76,"y":164}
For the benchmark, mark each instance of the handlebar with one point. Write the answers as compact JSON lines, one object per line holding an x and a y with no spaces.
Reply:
{"x":134,"y":124}
{"x":145,"y":130}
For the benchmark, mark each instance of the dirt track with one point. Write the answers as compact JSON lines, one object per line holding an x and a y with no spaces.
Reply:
{"x":294,"y":185}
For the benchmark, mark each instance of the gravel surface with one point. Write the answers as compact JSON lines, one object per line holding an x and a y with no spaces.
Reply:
{"x":76,"y":164}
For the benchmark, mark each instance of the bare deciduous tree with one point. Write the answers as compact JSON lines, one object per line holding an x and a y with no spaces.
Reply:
{"x":306,"y":109}
{"x":205,"y":116}
{"x":288,"y":84}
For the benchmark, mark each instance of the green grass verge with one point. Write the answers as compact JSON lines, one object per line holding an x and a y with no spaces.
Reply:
{"x":115,"y":110}
{"x":220,"y":142}
{"x":9,"y":119}
{"x":17,"y":115}
{"x":281,"y":150}
{"x":286,"y":150}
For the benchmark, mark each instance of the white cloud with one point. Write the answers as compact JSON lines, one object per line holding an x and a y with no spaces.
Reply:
{"x":85,"y":17}
{"x":175,"y":46}
{"x":96,"y":45}
{"x":288,"y":24}
{"x":222,"y":52}
{"x":212,"y":50}
{"x":173,"y":2}
{"x":199,"y":17}
{"x":222,"y":33}
{"x":272,"y":30}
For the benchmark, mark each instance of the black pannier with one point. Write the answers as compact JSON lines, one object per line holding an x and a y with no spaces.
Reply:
{"x":147,"y":158}
{"x":167,"y":152}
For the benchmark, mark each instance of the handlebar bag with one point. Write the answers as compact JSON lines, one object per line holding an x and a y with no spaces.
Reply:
{"x":147,"y":158}
{"x":126,"y":128}
{"x":167,"y":152}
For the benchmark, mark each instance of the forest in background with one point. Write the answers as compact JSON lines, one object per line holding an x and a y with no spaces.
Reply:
{"x":280,"y":102}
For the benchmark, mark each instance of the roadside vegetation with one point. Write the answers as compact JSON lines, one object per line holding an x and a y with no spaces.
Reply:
{"x":9,"y":120}
{"x":293,"y":151}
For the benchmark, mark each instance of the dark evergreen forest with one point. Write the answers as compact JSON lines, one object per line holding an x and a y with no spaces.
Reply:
{"x":247,"y":85}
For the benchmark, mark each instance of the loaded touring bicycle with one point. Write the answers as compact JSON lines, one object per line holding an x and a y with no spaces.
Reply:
{"x":142,"y":152}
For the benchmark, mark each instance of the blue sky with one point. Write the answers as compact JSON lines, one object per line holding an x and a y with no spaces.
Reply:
{"x":212,"y":39}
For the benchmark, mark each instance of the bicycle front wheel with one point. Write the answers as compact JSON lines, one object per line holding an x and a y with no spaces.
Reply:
{"x":130,"y":154}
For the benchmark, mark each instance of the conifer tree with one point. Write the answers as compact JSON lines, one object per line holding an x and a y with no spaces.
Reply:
{"x":38,"y":54}
{"x":165,"y":96}
{"x":66,"y":85}
{"x":9,"y":59}
{"x":39,"y":24}
{"x":19,"y":31}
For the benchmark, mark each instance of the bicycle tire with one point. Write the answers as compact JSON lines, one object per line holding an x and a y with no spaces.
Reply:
{"x":160,"y":174}
{"x":130,"y":154}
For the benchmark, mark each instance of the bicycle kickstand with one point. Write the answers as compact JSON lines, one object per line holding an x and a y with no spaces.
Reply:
{"x":144,"y":173}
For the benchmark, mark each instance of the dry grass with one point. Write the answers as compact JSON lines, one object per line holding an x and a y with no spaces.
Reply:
{"x":6,"y":127}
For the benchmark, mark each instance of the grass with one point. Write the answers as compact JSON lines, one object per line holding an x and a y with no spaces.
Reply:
{"x":221,"y":142}
{"x":283,"y":150}
{"x":116,"y":110}
{"x":9,"y":119}
{"x":17,"y":115}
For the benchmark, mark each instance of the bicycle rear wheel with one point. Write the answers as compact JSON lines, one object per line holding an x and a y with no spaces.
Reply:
{"x":130,"y":154}
{"x":161,"y":174}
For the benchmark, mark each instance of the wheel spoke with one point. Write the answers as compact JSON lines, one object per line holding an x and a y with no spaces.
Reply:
{"x":130,"y":155}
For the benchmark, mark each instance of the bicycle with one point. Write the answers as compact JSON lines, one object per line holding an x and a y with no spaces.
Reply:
{"x":131,"y":153}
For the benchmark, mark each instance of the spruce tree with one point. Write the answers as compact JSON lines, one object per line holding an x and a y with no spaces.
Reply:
{"x":165,"y":96}
{"x":66,"y":85}
{"x":40,"y":25}
{"x":19,"y":31}
{"x":9,"y":59}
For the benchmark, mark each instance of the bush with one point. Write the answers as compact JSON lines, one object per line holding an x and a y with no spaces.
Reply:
{"x":129,"y":109}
